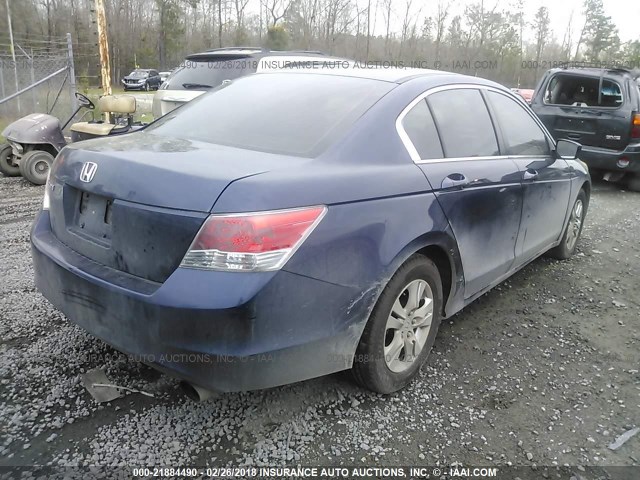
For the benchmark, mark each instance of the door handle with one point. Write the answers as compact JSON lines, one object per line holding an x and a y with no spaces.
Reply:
{"x":454,"y":180}
{"x":530,"y":175}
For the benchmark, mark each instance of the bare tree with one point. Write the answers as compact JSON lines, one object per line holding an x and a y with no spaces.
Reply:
{"x":541,"y":25}
{"x":240,"y":6}
{"x":276,"y":9}
{"x":440,"y":23}
{"x":409,"y":25}
{"x":387,"y":19}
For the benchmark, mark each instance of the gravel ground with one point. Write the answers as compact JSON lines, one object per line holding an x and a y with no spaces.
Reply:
{"x":543,"y":370}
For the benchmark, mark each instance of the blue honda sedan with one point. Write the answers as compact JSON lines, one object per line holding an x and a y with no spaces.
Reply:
{"x":289,"y":225}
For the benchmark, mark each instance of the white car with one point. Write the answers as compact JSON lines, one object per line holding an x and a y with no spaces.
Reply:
{"x":164,"y":76}
{"x":201,"y":72}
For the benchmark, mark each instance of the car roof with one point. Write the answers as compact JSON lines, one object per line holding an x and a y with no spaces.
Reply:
{"x":594,"y":71}
{"x":248,"y":52}
{"x":393,"y":74}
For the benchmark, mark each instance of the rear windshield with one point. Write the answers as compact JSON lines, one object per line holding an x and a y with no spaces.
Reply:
{"x":581,"y":91}
{"x":292,"y":114}
{"x":202,"y":74}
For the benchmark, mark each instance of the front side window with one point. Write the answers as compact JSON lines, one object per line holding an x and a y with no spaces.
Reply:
{"x":463,"y":122}
{"x":522,"y":135}
{"x":421,"y":130}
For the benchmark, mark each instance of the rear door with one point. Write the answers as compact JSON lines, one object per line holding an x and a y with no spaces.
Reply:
{"x":546,"y":181}
{"x":478,"y":189}
{"x":591,"y":110}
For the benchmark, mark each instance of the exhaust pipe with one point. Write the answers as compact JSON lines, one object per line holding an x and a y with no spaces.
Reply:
{"x":196,"y":392}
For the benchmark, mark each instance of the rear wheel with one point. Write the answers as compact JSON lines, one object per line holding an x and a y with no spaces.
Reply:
{"x":35,"y":166}
{"x":402,"y":328}
{"x":8,"y":166}
{"x":572,"y":233}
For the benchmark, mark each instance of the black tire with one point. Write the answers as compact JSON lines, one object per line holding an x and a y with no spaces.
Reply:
{"x":35,"y":166}
{"x":572,"y":231}
{"x":7,"y":165}
{"x":633,"y":183}
{"x":147,"y":87}
{"x":371,"y":369}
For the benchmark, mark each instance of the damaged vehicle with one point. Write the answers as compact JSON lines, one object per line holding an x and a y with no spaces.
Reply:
{"x":600,"y":109}
{"x":288,"y":225}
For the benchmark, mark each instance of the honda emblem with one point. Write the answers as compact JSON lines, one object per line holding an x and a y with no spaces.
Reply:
{"x":88,"y":171}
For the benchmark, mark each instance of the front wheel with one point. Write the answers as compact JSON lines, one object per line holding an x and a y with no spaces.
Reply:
{"x":147,"y":87}
{"x":402,"y":328}
{"x":8,"y":165}
{"x":35,"y":166}
{"x":573,"y":230}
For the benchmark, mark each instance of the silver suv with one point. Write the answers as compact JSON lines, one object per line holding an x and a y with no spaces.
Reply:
{"x":202,"y":71}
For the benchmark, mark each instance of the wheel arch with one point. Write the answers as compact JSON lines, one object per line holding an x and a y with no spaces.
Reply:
{"x":586,"y":186}
{"x":442,"y":250}
{"x":45,"y":147}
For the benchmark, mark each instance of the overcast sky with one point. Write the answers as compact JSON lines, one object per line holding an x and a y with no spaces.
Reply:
{"x":625,"y":13}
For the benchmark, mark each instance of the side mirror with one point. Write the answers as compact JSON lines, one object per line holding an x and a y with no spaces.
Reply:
{"x":567,"y":149}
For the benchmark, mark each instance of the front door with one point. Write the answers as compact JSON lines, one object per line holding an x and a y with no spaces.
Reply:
{"x":545,"y":180}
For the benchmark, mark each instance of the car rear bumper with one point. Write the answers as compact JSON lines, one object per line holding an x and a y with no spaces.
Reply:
{"x":222,"y":331}
{"x":604,"y":159}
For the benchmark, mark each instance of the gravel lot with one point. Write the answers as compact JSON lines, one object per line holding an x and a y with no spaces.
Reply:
{"x":542,"y":370}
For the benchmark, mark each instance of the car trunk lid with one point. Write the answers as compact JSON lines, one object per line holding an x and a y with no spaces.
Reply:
{"x":143,"y":198}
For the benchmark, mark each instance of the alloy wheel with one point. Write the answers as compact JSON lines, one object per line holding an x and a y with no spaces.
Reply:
{"x":575,"y":224}
{"x":408,"y":325}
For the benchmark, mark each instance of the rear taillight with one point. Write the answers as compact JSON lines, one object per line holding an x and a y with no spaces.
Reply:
{"x":635,"y":126}
{"x":251,"y":242}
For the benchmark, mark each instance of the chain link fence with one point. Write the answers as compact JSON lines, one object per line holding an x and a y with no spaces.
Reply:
{"x":36,"y":77}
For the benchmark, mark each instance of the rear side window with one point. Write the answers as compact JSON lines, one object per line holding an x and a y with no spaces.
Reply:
{"x":522,"y":134}
{"x":463,"y":123}
{"x":202,"y":74}
{"x":421,"y":130}
{"x":286,"y":113}
{"x":582,"y":91}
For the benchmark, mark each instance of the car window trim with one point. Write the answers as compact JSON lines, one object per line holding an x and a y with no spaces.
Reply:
{"x":620,"y":86}
{"x":411,"y":149}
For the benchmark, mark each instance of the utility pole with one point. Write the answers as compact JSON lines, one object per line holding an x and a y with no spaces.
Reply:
{"x":103,"y":44}
{"x":13,"y":55}
{"x":72,"y":74}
